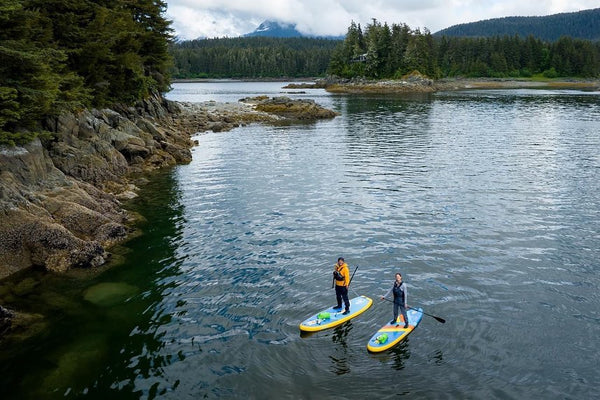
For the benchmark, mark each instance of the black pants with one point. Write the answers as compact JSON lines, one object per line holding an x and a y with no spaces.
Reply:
{"x":402,"y":311}
{"x":341,"y":292}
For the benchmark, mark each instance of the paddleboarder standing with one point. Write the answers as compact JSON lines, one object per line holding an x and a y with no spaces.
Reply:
{"x":400,"y":299}
{"x":341,"y":276}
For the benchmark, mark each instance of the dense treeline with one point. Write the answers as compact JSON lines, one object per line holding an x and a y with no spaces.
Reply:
{"x":384,"y":51}
{"x":581,"y":25}
{"x":391,"y":52}
{"x":66,"y":54}
{"x":252,"y":57}
{"x":514,"y":56}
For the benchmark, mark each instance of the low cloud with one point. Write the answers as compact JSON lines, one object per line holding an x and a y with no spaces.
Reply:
{"x":219,"y":18}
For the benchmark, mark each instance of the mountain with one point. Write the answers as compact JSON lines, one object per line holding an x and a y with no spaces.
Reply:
{"x":283,"y":30}
{"x":275,"y":29}
{"x":582,"y":25}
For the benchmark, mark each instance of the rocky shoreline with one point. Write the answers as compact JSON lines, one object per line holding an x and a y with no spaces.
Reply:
{"x":416,"y":83}
{"x":61,"y":198}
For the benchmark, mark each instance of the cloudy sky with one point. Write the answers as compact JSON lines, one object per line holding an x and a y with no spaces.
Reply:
{"x":220,"y":18}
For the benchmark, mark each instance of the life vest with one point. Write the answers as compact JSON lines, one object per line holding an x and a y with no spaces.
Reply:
{"x":341,"y":275}
{"x":398,"y":291}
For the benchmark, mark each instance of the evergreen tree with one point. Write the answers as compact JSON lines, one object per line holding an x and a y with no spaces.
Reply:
{"x":63,"y":54}
{"x":400,"y":38}
{"x":34,"y":81}
{"x":402,"y":51}
{"x":252,"y":57}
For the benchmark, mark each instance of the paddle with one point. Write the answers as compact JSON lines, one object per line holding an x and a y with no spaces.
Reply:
{"x":352,"y":276}
{"x":438,"y":319}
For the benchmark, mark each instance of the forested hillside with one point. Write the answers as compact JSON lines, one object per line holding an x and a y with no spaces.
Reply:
{"x":581,"y":25}
{"x":258,"y":57}
{"x":66,"y":54}
{"x":391,"y":52}
{"x":384,"y":51}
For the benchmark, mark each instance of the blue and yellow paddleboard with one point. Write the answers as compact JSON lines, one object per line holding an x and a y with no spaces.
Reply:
{"x":390,"y":335}
{"x":333,"y":317}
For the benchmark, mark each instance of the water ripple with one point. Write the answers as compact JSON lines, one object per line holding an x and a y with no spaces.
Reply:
{"x":486,"y":201}
{"x":478,"y":198}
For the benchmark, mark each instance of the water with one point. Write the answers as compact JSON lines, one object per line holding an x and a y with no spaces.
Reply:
{"x":487,"y":202}
{"x":232,"y":91}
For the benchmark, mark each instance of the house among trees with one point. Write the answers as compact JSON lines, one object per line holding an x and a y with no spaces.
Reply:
{"x":382,"y":51}
{"x":359,"y":58}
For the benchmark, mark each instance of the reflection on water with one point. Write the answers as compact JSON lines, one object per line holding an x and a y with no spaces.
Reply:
{"x":486,"y":201}
{"x":394,"y":357}
{"x":103,"y":333}
{"x":232,"y":91}
{"x":339,"y":360}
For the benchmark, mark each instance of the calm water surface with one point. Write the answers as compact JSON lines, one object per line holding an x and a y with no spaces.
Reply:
{"x":487,"y":201}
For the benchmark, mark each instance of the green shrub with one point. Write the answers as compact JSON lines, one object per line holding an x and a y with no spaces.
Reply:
{"x":550,"y":73}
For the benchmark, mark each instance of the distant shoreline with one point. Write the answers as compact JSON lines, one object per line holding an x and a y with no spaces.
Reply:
{"x":204,"y":80}
{"x":516,"y":83}
{"x":398,"y":86}
{"x":419,"y":84}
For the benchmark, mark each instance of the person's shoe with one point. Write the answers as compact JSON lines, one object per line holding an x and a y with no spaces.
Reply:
{"x":346,"y":312}
{"x":337,"y":307}
{"x":405,"y":326}
{"x":392,"y":322}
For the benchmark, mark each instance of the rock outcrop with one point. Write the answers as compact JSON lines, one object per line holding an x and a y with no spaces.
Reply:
{"x":286,"y":108}
{"x":60,"y":198}
{"x":410,"y":83}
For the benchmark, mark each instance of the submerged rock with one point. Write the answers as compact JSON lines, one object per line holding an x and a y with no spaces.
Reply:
{"x":19,"y":326}
{"x":75,"y":364}
{"x":109,"y":293}
{"x":6,"y":317}
{"x":25,"y":287}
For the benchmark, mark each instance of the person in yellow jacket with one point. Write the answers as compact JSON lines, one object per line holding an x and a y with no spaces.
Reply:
{"x":341,"y":275}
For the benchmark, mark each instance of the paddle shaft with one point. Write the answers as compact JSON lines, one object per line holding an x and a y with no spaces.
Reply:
{"x":352,"y":276}
{"x":442,"y":320}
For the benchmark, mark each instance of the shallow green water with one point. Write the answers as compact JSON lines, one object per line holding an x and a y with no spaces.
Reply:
{"x":488,"y":202}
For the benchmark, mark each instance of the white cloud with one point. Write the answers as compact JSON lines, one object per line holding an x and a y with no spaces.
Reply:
{"x":217,"y":18}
